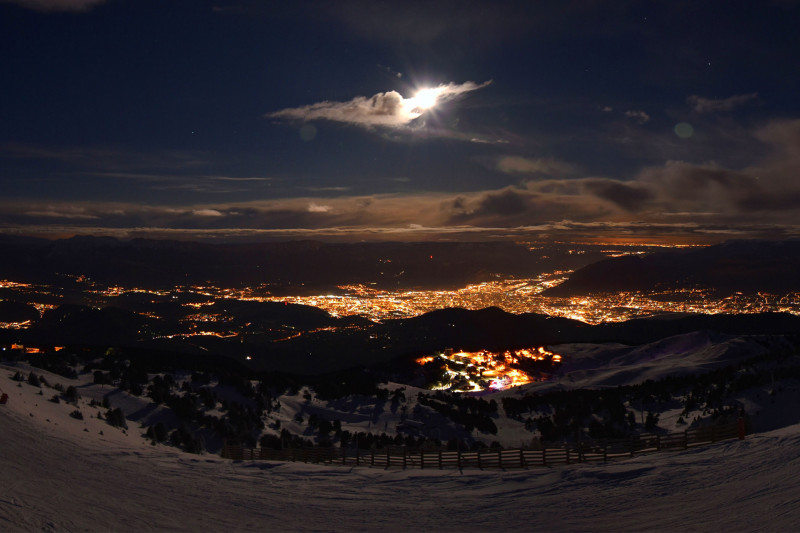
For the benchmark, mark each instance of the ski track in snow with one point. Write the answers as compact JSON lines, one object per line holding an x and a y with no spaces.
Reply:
{"x":61,"y":474}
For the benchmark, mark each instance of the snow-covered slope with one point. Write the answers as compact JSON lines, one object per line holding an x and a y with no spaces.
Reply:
{"x":61,"y":474}
{"x":609,"y":365}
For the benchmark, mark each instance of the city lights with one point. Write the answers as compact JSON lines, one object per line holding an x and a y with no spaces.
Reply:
{"x":514,"y":295}
{"x":485,"y":370}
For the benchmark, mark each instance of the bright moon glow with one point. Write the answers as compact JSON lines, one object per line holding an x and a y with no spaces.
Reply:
{"x":426,"y":98}
{"x":422,"y":101}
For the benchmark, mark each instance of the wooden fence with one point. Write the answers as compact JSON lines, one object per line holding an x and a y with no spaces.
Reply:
{"x":494,"y":458}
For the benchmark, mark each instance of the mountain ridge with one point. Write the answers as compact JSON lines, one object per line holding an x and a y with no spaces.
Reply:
{"x":733,"y":266}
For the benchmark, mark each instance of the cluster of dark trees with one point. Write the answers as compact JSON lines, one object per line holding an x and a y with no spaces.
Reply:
{"x":359,"y":440}
{"x":468,"y":411}
{"x":229,"y":403}
{"x":609,"y":413}
{"x":190,"y":401}
{"x":355,"y":381}
{"x":182,"y":437}
{"x":567,"y":414}
{"x":33,"y":380}
{"x":115,"y":417}
{"x":69,"y":395}
{"x":61,"y":363}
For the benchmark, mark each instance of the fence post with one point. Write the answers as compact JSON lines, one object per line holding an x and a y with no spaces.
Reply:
{"x":566,"y":449}
{"x":372,"y":458}
{"x":522,"y":459}
{"x":458,"y":458}
{"x":658,"y":443}
{"x":440,"y":459}
{"x":605,"y":452}
{"x":500,"y":458}
{"x":405,"y":455}
{"x":479,"y":459}
{"x":544,"y":456}
{"x":630,"y":444}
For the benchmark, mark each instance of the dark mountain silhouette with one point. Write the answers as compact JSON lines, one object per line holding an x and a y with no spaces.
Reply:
{"x":323,"y":349}
{"x":735,"y":266}
{"x":296,"y":264}
{"x":11,"y":311}
{"x":264,"y":315}
{"x":306,"y":340}
{"x":114,"y":326}
{"x":494,"y":328}
{"x":78,"y":324}
{"x":491,"y":329}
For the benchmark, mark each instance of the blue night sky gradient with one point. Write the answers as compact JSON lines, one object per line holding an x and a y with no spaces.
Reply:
{"x":568,"y":120}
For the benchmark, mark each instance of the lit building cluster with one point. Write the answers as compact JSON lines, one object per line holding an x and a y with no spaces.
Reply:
{"x":514,"y":295}
{"x":621,"y":306}
{"x":525,"y":296}
{"x":485,"y":370}
{"x":6,"y":284}
{"x":15,"y":325}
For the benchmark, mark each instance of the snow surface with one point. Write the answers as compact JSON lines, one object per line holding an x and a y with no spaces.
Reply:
{"x":588,"y":365}
{"x":62,"y":474}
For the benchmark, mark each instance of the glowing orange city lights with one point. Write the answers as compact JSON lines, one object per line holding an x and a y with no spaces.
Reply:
{"x":485,"y":370}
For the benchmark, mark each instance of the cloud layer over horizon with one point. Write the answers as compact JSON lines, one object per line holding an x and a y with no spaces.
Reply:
{"x":677,"y":198}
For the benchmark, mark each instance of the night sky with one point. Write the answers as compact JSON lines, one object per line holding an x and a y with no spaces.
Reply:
{"x":643,"y":121}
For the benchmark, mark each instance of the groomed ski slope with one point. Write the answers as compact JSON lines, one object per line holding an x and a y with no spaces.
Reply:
{"x":62,"y":474}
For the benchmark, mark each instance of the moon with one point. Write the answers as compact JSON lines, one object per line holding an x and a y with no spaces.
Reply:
{"x":427,"y":98}
{"x":424,"y":99}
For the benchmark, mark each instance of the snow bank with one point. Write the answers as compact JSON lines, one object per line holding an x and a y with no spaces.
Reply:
{"x":61,"y":474}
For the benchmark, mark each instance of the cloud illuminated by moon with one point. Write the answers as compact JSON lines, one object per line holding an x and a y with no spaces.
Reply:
{"x":388,"y":109}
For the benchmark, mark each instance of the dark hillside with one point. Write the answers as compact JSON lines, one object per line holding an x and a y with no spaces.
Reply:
{"x":297,"y":265}
{"x":735,"y":266}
